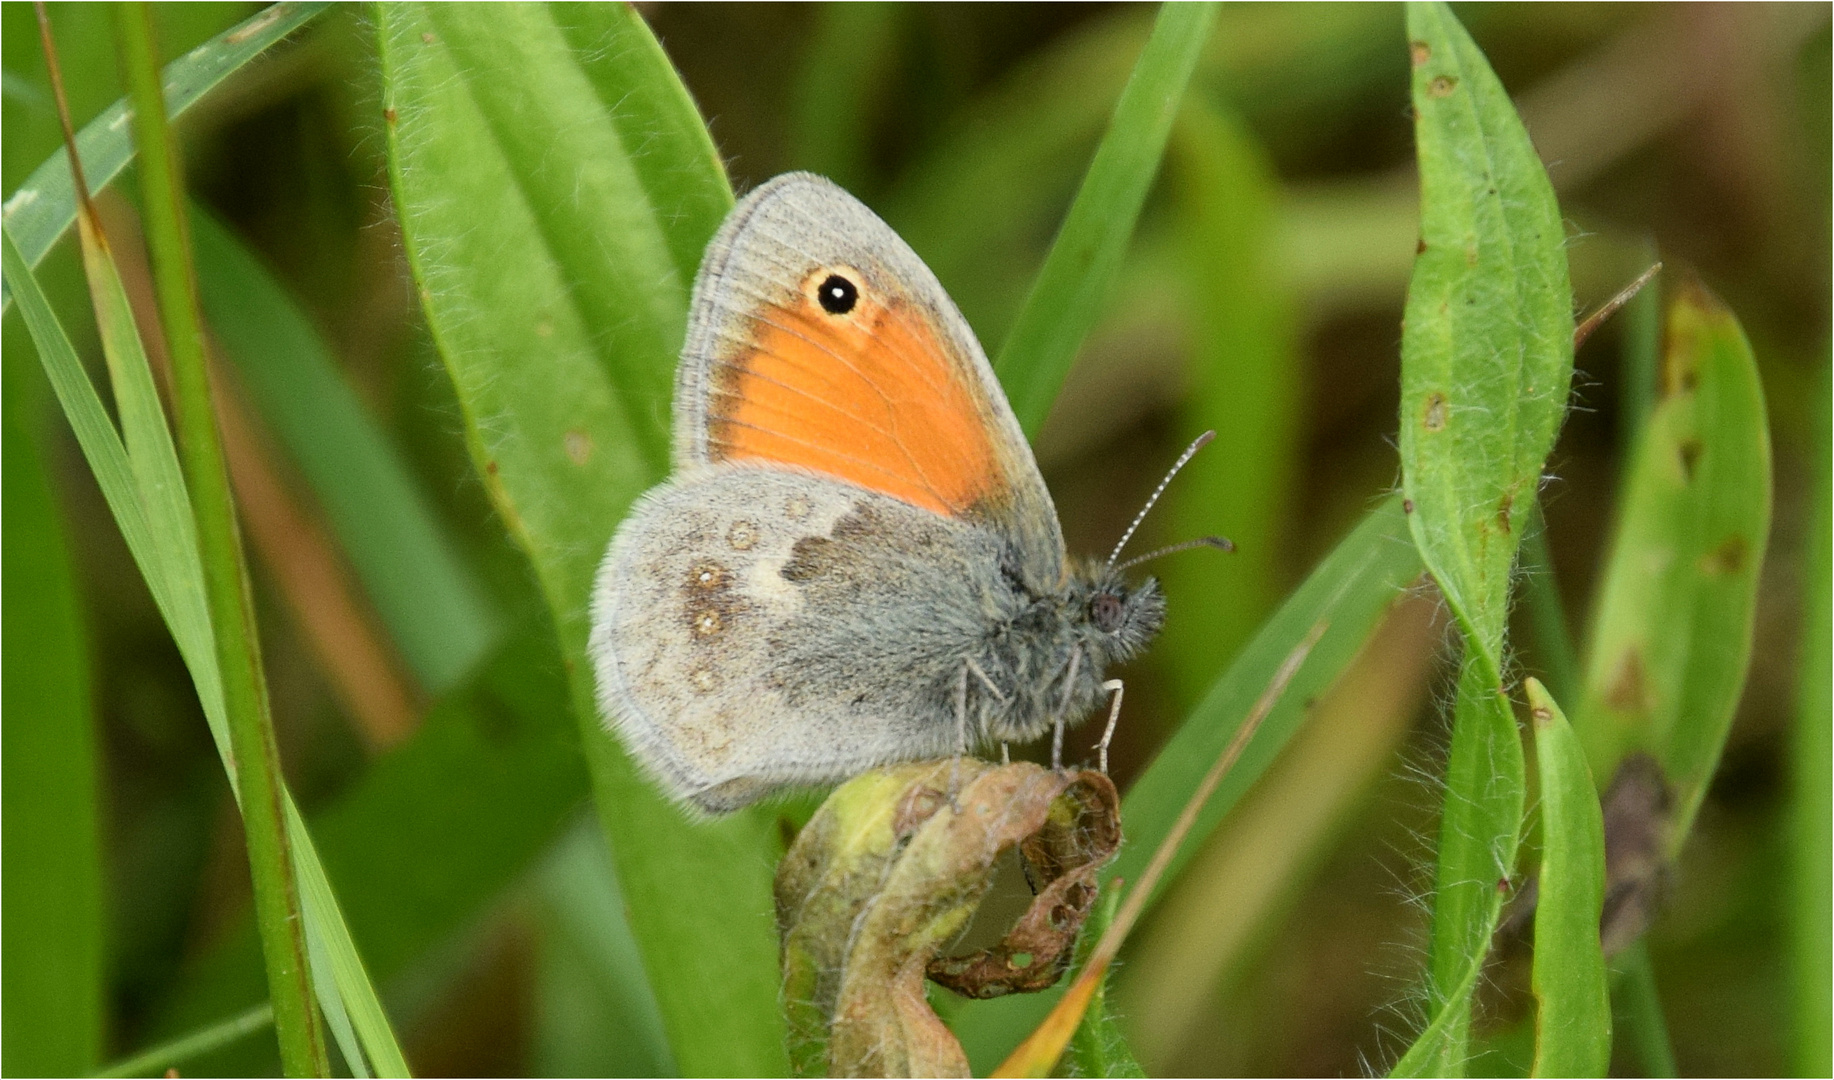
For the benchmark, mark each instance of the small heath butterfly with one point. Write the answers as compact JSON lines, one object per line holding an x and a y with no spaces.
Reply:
{"x":855,"y":561}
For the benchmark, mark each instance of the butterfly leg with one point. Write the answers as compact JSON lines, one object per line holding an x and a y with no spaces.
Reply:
{"x":961,"y":737}
{"x":1114,"y":687}
{"x":1006,"y":754}
{"x":1063,"y":709}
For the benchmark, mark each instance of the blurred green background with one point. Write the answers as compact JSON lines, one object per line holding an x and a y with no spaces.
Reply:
{"x":1262,"y":295}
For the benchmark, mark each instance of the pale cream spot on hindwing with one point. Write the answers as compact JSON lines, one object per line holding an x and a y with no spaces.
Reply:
{"x":742,"y":535}
{"x":797,"y":507}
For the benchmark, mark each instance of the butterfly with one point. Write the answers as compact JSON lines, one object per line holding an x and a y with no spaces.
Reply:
{"x":855,"y":560}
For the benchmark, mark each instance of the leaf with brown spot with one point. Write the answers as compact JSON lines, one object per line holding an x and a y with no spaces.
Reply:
{"x":1671,"y":637}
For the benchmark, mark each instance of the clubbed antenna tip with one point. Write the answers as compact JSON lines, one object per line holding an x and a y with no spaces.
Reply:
{"x":1196,"y":444}
{"x":1220,"y":543}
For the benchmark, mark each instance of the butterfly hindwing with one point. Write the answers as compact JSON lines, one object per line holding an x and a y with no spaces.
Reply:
{"x":755,"y":627}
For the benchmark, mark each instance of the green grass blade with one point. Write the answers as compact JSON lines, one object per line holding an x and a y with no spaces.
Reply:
{"x":1672,"y":627}
{"x":162,"y":494}
{"x":95,"y":433}
{"x":413,"y":865}
{"x":1640,"y":1007}
{"x":356,"y":1008}
{"x":173,"y":576}
{"x":1243,"y":382}
{"x":1554,"y":653}
{"x":1001,"y":173}
{"x":559,"y":326}
{"x":838,"y":83}
{"x":1640,"y":356}
{"x":1812,"y":787}
{"x":44,"y":207}
{"x":1573,"y":1024}
{"x":154,"y":1061}
{"x":1004,"y":171}
{"x":1066,"y":299}
{"x":1487,"y":346}
{"x":51,"y":968}
{"x":434,"y":608}
{"x":1349,"y":592}
{"x":225,"y":570}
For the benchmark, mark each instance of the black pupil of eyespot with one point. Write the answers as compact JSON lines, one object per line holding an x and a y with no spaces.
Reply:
{"x":837,"y":295}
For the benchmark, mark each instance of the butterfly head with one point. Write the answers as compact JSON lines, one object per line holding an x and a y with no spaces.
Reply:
{"x":1114,"y":619}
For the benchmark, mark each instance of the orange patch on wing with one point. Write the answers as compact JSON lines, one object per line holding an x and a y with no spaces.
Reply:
{"x":873,"y":400}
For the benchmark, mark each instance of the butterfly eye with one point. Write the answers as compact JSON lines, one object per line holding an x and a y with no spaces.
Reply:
{"x":1105,"y":609}
{"x":837,"y":295}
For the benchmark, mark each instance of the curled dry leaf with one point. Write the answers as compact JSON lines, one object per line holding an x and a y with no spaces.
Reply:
{"x":891,"y":869}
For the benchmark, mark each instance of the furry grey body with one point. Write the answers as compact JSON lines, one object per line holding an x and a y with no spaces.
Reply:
{"x":758,"y":625}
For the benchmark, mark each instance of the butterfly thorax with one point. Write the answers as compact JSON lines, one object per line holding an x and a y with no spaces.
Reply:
{"x":1048,"y":653}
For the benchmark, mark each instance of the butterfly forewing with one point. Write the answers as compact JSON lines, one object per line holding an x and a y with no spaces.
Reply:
{"x":819,"y":341}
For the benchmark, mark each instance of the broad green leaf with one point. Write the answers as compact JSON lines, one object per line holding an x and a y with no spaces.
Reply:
{"x":1573,"y":1021}
{"x":1066,"y":297}
{"x":565,"y":153}
{"x":1812,"y":786}
{"x":1444,"y":1039}
{"x":1486,"y":358}
{"x":1478,"y":833}
{"x":1348,"y":592}
{"x":1243,"y":381}
{"x":44,"y":207}
{"x":1487,"y":345}
{"x":1672,"y":627}
{"x":433,"y":607}
{"x":51,"y":972}
{"x":558,"y":313}
{"x":174,"y":577}
{"x":670,"y":148}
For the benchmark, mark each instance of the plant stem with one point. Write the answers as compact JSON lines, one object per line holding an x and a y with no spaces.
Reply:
{"x":251,"y":729}
{"x":1811,"y":745}
{"x":1641,"y":1009}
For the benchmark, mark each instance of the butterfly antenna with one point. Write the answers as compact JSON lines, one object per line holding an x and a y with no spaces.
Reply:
{"x":1196,"y":445}
{"x":1220,"y":543}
